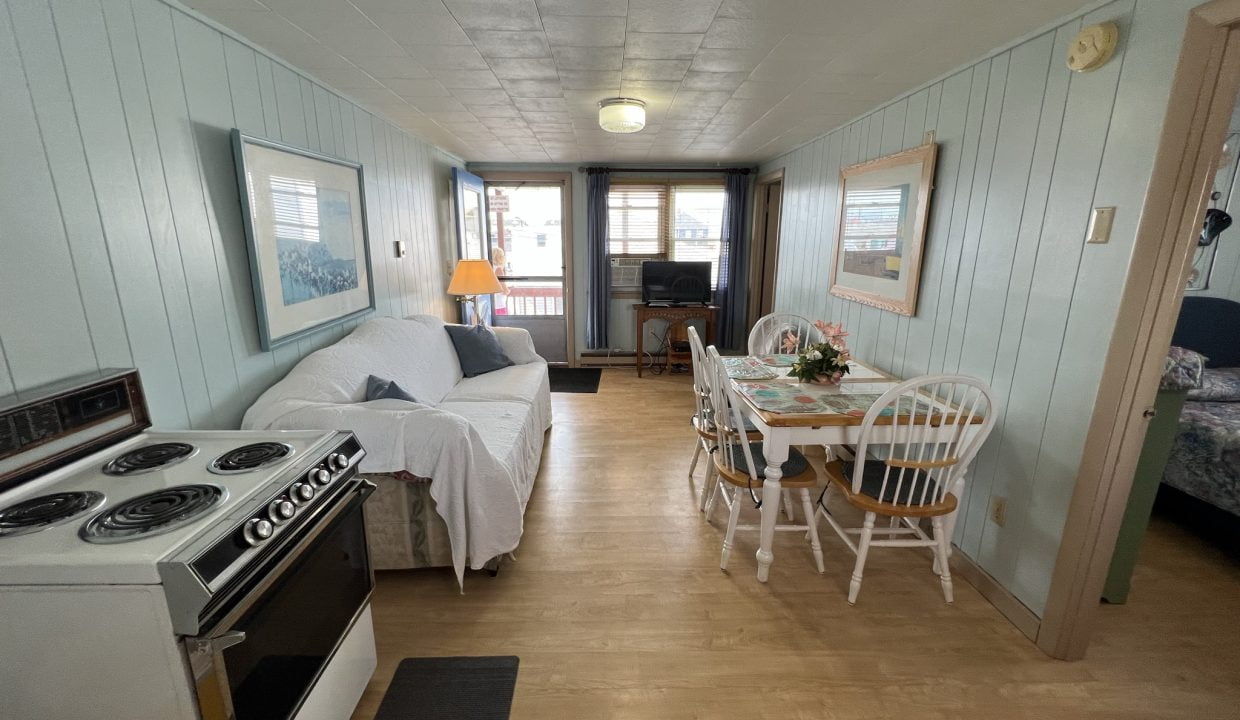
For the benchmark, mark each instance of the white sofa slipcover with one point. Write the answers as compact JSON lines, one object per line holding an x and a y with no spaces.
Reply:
{"x":479,"y":440}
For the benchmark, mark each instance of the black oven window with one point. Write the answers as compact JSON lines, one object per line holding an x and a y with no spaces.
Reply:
{"x":293,"y":628}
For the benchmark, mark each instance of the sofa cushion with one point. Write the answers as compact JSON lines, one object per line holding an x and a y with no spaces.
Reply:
{"x":512,"y":435}
{"x":378,"y":388}
{"x":517,"y":383}
{"x":477,"y":350}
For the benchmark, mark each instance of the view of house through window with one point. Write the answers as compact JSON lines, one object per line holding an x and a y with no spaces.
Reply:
{"x":682,"y":222}
{"x":527,"y":248}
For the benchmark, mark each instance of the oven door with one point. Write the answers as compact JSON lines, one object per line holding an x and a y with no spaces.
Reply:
{"x":266,"y":650}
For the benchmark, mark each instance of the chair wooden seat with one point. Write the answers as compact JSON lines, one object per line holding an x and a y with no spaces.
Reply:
{"x":800,"y":474}
{"x":708,"y":432}
{"x":840,"y":474}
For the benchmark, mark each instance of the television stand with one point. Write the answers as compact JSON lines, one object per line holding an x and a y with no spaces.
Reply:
{"x":675,"y":315}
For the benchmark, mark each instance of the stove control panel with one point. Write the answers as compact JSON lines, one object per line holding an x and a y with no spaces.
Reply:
{"x":301,"y":495}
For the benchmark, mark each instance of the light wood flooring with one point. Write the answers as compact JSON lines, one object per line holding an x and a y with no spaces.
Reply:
{"x":617,"y":608}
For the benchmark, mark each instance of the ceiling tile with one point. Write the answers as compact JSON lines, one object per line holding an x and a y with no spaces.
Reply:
{"x":695,"y":80}
{"x":510,"y":44}
{"x":584,"y":31}
{"x":532,"y":88}
{"x":486,"y":96}
{"x":590,"y":80}
{"x":437,"y":104}
{"x":727,"y":60}
{"x":661,"y":46}
{"x":546,"y":117}
{"x":420,"y":29}
{"x":690,"y":16}
{"x":467,"y":79}
{"x":499,"y":112}
{"x":553,"y":128}
{"x":617,"y":8}
{"x":261,"y":26}
{"x":390,"y":67}
{"x":448,"y":57}
{"x":414,"y":6}
{"x":524,"y":69}
{"x":421,"y":87}
{"x":654,"y":69}
{"x":495,"y":14}
{"x":588,"y":58}
{"x":742,"y":34}
{"x":536,"y":104}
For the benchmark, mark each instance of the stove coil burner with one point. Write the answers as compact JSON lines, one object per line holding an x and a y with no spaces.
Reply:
{"x":154,"y":513}
{"x":148,"y":458}
{"x":250,"y":457}
{"x":44,"y":511}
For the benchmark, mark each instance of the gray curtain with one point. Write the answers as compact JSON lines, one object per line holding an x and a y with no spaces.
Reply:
{"x":598,"y":260}
{"x":730,"y":292}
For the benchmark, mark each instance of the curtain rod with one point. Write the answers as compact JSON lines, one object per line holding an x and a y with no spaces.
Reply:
{"x":733,"y":170}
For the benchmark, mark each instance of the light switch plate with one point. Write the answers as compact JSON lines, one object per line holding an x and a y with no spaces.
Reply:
{"x":1100,"y":221}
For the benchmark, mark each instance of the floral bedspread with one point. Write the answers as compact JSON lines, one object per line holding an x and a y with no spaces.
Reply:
{"x":1205,"y":461}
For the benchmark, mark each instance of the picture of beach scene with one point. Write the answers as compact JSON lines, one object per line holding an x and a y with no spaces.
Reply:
{"x":314,"y":240}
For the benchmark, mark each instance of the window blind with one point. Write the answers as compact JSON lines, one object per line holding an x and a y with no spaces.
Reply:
{"x":295,"y":208}
{"x":637,"y":220}
{"x":873,"y":218}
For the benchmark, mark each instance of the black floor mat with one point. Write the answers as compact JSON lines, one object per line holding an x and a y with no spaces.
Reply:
{"x":456,"y":688}
{"x":575,"y":380}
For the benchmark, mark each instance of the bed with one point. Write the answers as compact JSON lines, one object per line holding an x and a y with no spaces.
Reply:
{"x":1205,"y":458}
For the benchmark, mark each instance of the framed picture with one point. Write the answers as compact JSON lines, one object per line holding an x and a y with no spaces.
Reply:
{"x":305,"y":223}
{"x":883,"y":206}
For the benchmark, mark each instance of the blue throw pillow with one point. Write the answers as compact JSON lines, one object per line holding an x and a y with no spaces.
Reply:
{"x":379,"y":389}
{"x":478,"y":349}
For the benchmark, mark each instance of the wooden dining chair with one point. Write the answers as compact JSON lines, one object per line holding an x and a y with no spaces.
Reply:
{"x":740,"y":468}
{"x":703,"y":414}
{"x":782,"y":333}
{"x":915,"y":445}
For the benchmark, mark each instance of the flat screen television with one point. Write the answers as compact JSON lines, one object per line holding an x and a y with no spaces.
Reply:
{"x":675,"y":283}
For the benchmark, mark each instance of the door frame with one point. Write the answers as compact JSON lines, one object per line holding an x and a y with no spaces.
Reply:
{"x":1202,"y":98}
{"x":565,"y":180}
{"x":758,"y":244}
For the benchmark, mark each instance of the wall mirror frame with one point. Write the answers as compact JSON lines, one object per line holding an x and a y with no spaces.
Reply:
{"x":883,"y":206}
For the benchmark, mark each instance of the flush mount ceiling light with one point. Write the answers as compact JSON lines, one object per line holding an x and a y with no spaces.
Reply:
{"x":622,"y":115}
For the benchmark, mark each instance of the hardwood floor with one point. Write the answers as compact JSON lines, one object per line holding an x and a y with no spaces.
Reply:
{"x":617,"y":608}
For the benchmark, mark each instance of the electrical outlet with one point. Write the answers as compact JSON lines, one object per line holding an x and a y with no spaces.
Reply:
{"x":998,"y":511}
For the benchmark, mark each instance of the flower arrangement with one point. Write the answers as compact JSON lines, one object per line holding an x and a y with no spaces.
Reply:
{"x":825,"y":362}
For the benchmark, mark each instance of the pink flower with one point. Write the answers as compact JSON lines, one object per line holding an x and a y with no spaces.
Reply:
{"x":834,"y":332}
{"x":790,"y":341}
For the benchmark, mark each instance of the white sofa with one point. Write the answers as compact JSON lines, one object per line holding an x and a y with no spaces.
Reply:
{"x":455,"y":469}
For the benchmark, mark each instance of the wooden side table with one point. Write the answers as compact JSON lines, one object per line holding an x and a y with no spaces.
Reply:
{"x":674,"y":315}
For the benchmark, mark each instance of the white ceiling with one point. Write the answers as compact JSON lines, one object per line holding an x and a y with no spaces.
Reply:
{"x":724,"y":80}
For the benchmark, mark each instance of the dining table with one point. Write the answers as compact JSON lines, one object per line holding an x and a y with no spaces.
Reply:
{"x":788,"y":412}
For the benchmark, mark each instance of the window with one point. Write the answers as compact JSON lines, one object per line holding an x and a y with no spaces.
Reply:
{"x":874,"y":218}
{"x":682,"y":222}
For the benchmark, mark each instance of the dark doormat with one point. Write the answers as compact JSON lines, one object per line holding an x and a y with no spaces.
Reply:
{"x":451,"y":688}
{"x":575,"y":380}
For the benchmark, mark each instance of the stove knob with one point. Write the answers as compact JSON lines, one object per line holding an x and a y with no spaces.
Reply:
{"x":280,"y":510}
{"x":321,"y":476}
{"x":257,"y":531}
{"x":302,"y":493}
{"x":338,"y":461}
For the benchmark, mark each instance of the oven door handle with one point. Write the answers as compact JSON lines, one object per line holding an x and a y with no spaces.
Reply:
{"x":210,"y":674}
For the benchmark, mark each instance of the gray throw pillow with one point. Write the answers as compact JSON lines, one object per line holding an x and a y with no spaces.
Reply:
{"x":478,"y":349}
{"x":379,"y":389}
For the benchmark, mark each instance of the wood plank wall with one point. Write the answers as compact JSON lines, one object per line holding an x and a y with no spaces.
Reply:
{"x":122,"y":242}
{"x":1009,"y":291}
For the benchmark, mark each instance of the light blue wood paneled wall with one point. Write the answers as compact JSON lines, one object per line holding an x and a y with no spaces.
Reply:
{"x":1009,"y":291}
{"x":122,"y":242}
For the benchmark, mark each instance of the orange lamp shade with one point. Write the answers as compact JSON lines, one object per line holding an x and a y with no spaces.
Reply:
{"x":474,"y":277}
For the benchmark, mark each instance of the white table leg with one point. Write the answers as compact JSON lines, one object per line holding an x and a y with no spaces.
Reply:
{"x":775,"y":448}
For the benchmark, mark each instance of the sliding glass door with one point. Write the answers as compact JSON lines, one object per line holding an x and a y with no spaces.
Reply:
{"x":529,"y":243}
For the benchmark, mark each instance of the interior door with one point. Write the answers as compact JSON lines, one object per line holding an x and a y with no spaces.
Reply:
{"x":526,"y":232}
{"x":469,"y":195}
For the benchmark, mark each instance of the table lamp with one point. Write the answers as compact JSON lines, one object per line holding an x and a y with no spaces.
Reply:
{"x":472,"y":278}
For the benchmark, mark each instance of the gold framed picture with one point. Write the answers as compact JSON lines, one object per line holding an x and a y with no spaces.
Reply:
{"x":883,"y":206}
